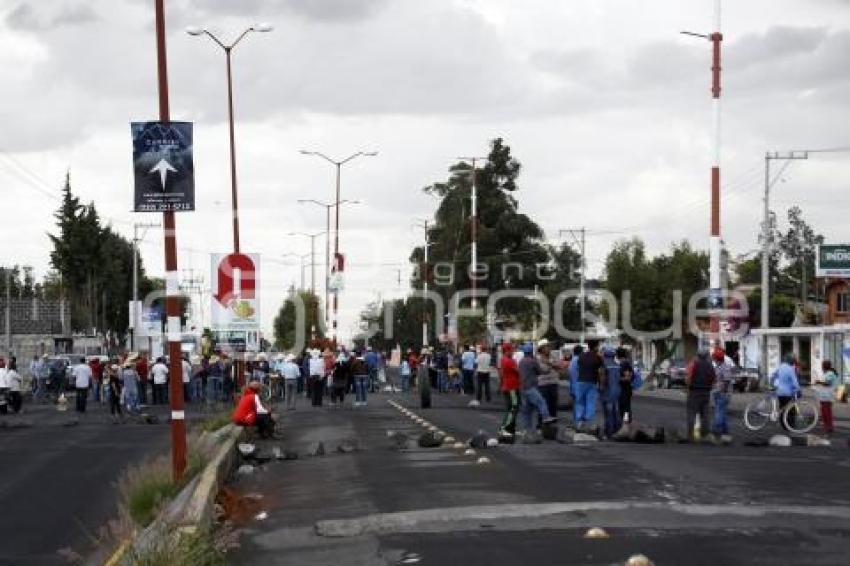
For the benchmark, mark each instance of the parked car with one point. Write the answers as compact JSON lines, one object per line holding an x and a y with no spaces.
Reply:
{"x":745,"y":379}
{"x":670,"y":373}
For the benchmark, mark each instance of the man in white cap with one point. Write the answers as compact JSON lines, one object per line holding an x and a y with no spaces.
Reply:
{"x":290,"y":372}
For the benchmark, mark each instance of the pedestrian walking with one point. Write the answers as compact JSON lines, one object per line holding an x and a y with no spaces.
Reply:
{"x":721,"y":393}
{"x":339,"y":379}
{"x":404,"y":372}
{"x":532,"y":400}
{"x":360,"y":371}
{"x":159,"y":373}
{"x":15,"y":384}
{"x":825,"y":390}
{"x":129,"y":381}
{"x":33,"y":372}
{"x":186,"y":368}
{"x":42,"y":376}
{"x":114,"y":391}
{"x":547,"y":381}
{"x":82,"y":383}
{"x":4,"y":387}
{"x":573,"y":372}
{"x":509,"y":384}
{"x":787,"y":386}
{"x":290,"y":373}
{"x":483,"y":369}
{"x":424,"y":368}
{"x":590,"y":375}
{"x":627,"y":372}
{"x":215,"y":380}
{"x":371,"y":360}
{"x":610,"y":392}
{"x":468,"y":364}
{"x":699,"y":379}
{"x":97,"y":377}
{"x":315,"y":384}
{"x":143,"y":369}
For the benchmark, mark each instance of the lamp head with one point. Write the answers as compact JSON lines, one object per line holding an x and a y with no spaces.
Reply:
{"x":263,"y":27}
{"x":194,"y":30}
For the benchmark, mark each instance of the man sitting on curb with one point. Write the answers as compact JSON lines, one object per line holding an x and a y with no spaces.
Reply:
{"x":251,"y":412}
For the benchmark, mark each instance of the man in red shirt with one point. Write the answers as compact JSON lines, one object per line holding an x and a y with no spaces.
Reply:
{"x":142,"y":370}
{"x":509,"y":380}
{"x":97,"y":377}
{"x":251,"y":412}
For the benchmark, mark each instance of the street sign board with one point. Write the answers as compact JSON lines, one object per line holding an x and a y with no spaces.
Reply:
{"x":235,"y":303}
{"x":833,"y":260}
{"x":162,"y":166}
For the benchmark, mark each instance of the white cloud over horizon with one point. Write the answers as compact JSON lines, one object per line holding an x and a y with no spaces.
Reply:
{"x":605,"y":105}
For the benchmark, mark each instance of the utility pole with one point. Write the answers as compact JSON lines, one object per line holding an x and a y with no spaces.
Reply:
{"x":424,"y":275}
{"x":338,"y":166}
{"x":327,"y":206}
{"x":715,"y":242}
{"x":473,"y":216}
{"x":136,"y":239}
{"x":172,"y":308}
{"x":579,"y":236}
{"x":8,"y":313}
{"x":767,"y":239}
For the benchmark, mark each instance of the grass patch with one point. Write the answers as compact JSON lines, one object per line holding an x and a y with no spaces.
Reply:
{"x":215,"y":422}
{"x":184,"y":549}
{"x":145,"y":488}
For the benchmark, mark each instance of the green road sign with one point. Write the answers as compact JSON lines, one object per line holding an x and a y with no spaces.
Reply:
{"x":833,"y":260}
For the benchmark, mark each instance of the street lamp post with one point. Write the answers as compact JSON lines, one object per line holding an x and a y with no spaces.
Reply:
{"x":312,"y":256}
{"x":338,"y":164}
{"x":327,"y":206}
{"x":228,"y":49}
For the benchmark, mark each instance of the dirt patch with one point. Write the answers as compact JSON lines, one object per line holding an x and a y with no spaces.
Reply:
{"x":239,"y":508}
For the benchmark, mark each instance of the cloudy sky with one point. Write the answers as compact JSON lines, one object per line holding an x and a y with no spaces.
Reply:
{"x":604,"y":103}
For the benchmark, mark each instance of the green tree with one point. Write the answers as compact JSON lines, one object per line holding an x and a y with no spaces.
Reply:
{"x":286,"y":323}
{"x":510,"y":244}
{"x":798,"y":245}
{"x":93,"y":266}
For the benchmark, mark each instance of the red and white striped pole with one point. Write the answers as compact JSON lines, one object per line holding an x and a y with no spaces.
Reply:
{"x":172,"y":277}
{"x":714,"y":243}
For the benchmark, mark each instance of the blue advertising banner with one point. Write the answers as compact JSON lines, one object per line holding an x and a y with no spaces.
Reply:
{"x":162,"y":166}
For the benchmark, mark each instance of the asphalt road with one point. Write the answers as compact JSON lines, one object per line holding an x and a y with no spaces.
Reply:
{"x":58,"y":482}
{"x":677,"y":504}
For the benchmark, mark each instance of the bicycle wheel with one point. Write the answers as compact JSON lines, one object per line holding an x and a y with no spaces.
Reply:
{"x":800,"y":416}
{"x":757,"y":414}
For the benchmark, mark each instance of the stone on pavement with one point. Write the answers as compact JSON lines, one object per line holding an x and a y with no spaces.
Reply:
{"x":479,"y":440}
{"x":430,"y":440}
{"x":639,"y":560}
{"x":596,"y":532}
{"x":581,"y":437}
{"x":316,"y":449}
{"x":815,"y":440}
{"x":245,"y":470}
{"x":348,"y":446}
{"x":247,"y":449}
{"x":781,"y":440}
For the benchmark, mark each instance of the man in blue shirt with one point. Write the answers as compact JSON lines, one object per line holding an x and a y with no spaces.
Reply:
{"x":787,"y":385}
{"x":371,"y":359}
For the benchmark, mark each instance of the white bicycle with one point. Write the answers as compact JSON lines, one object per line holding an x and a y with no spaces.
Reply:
{"x":798,"y":416}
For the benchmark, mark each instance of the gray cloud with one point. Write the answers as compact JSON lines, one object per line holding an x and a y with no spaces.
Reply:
{"x":26,"y":17}
{"x":318,"y":11}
